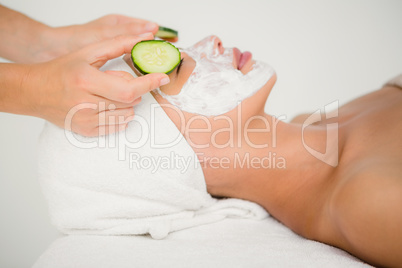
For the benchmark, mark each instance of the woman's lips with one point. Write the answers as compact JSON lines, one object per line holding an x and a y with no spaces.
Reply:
{"x":244,"y":58}
{"x":241,"y":58}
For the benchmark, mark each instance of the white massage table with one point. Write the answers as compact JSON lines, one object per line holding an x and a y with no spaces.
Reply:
{"x":227,"y":243}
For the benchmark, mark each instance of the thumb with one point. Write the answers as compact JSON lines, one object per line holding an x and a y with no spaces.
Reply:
{"x":98,"y":54}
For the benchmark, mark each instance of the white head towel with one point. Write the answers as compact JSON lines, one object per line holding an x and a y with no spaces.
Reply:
{"x":127,"y":183}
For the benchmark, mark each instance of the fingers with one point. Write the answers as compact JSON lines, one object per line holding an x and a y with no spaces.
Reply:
{"x":100,"y":130}
{"x":108,"y":103}
{"x":131,"y":29}
{"x":114,"y":25}
{"x":123,"y":88}
{"x":87,"y":121}
{"x":146,"y":83}
{"x":121,"y":74}
{"x":109,"y":85}
{"x":116,"y":117}
{"x":99,"y":53}
{"x":112,"y":121}
{"x":107,"y":130}
{"x":114,"y":19}
{"x":124,"y":25}
{"x":103,"y":104}
{"x":111,"y":93}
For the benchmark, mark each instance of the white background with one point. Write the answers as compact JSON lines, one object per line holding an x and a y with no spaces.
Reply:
{"x":323,"y":51}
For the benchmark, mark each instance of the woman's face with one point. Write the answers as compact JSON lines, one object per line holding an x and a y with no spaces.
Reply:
{"x":212,"y":80}
{"x":223,"y":128}
{"x":234,"y":62}
{"x":240,"y":61}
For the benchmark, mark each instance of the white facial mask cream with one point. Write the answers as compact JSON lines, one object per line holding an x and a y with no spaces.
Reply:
{"x":215,"y":86}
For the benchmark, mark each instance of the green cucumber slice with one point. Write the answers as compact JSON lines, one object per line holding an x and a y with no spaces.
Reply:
{"x":155,"y":56}
{"x":165,"y":32}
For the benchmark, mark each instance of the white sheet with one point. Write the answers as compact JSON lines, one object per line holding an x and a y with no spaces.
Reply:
{"x":228,"y":243}
{"x":99,"y":186}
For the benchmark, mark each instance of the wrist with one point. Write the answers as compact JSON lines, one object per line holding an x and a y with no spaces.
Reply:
{"x":14,"y":94}
{"x":24,"y":36}
{"x":53,"y":43}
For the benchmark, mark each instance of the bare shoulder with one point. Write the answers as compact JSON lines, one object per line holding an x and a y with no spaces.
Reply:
{"x":365,"y":205}
{"x":365,"y":211}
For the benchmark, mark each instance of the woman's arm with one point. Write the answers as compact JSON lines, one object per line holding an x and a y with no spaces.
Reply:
{"x":66,"y":74}
{"x":73,"y":87}
{"x":24,"y":40}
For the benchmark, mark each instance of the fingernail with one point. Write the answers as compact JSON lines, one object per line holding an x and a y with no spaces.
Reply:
{"x":164,"y":81}
{"x":150,"y":26}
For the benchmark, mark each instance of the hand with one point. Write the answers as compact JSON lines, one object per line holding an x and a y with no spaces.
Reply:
{"x":64,"y":40}
{"x":96,"y":102}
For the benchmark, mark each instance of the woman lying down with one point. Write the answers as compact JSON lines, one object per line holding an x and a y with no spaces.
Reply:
{"x":335,"y":179}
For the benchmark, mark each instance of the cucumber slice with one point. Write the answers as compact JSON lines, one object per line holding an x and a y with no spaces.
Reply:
{"x":165,"y":32}
{"x":155,"y":56}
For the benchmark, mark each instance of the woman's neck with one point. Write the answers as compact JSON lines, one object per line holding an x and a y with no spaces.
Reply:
{"x":272,"y":164}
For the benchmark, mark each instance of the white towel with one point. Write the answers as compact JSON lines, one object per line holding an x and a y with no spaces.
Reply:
{"x":130,"y":182}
